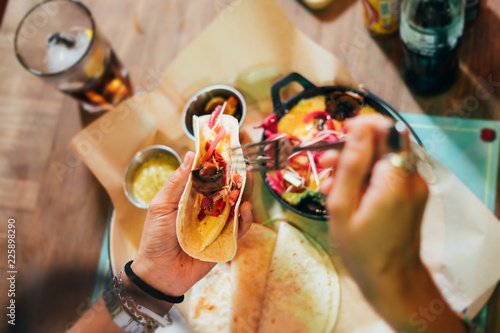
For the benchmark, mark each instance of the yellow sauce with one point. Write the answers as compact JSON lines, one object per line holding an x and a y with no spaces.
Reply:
{"x":152,"y":175}
{"x":293,"y":121}
{"x":367,"y":110}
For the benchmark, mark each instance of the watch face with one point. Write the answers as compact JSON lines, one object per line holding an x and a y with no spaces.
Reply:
{"x":120,"y":317}
{"x":123,"y":319}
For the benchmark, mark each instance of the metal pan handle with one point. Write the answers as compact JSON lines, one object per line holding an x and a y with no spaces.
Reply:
{"x":283,"y":82}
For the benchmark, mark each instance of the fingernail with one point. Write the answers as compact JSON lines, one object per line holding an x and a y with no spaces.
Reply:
{"x":187,"y":160}
{"x":329,"y":154}
{"x":326,"y":186}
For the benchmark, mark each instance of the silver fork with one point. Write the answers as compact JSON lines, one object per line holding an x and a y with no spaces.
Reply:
{"x":274,"y":154}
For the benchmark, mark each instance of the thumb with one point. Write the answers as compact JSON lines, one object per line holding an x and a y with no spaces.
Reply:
{"x":246,"y":218}
{"x":167,"y":199}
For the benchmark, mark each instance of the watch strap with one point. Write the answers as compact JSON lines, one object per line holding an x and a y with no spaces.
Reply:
{"x":121,"y":317}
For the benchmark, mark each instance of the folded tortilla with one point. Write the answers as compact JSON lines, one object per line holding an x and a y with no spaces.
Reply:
{"x":282,"y":282}
{"x":215,"y":239}
{"x":250,"y":269}
{"x":210,"y":303}
{"x":303,"y":291}
{"x":229,"y":298}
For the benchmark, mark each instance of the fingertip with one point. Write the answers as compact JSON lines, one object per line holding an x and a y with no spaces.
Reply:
{"x":329,"y":158}
{"x":246,"y":210}
{"x":326,"y":186}
{"x":246,"y":219}
{"x":172,"y":190}
{"x":188,"y":160}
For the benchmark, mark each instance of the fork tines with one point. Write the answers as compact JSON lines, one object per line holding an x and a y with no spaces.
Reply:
{"x":260,"y":156}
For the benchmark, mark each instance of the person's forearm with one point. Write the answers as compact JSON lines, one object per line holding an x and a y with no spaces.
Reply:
{"x":415,"y":305}
{"x":96,"y":319}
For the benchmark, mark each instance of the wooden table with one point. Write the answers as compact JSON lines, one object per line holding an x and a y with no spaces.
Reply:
{"x":59,"y":207}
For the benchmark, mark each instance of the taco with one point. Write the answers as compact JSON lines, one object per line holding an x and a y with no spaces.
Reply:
{"x":207,"y":219}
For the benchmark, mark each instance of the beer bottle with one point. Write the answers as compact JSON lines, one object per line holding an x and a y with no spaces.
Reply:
{"x":471,"y":10}
{"x":431,"y":31}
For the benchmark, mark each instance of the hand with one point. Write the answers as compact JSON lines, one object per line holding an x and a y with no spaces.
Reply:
{"x":160,"y":261}
{"x":375,"y":208}
{"x":376,"y":212}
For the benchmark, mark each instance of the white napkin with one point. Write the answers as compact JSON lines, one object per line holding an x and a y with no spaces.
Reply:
{"x":460,"y":239}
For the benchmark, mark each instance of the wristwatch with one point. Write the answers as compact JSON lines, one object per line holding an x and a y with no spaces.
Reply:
{"x":128,"y":315}
{"x":122,"y":318}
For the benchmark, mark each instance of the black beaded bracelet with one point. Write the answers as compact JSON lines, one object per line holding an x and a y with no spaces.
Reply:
{"x":147,"y":288}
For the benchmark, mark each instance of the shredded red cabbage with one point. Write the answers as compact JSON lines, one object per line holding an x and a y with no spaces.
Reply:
{"x":330,"y":138}
{"x":211,"y":149}
{"x":270,"y":125}
{"x":329,"y":124}
{"x":275,"y":184}
{"x":233,"y":197}
{"x":213,"y":116}
{"x":280,"y":176}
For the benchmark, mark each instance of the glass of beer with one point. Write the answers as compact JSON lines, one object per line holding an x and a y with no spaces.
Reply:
{"x":59,"y":41}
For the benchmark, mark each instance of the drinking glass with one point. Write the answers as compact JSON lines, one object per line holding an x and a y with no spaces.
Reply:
{"x":59,"y":41}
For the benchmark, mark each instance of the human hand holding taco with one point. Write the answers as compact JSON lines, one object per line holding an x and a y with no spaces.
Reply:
{"x":160,"y":261}
{"x":207,"y":220}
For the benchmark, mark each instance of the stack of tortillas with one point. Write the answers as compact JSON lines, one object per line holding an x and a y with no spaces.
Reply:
{"x":278,"y":282}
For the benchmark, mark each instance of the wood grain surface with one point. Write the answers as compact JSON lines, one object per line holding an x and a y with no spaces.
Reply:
{"x":59,"y":207}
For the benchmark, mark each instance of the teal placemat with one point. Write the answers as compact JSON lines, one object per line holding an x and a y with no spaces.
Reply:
{"x":104,"y":273}
{"x":455,"y":142}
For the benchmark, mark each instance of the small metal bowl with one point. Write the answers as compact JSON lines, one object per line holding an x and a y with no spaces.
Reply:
{"x":135,"y":163}
{"x":196,"y":105}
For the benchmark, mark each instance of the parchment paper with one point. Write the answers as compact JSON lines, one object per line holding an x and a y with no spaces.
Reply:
{"x":249,"y":45}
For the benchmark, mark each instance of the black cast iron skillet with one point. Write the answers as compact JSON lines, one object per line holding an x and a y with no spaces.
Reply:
{"x":310,"y":90}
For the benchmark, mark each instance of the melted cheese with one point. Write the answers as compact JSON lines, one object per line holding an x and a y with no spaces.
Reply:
{"x":293,"y":121}
{"x":211,"y":226}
